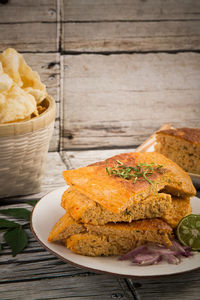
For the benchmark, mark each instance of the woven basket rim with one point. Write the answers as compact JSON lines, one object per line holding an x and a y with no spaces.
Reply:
{"x":22,"y":127}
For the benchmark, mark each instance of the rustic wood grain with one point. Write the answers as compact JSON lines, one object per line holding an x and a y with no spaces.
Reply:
{"x":28,"y":11}
{"x":33,"y":37}
{"x":95,"y":287}
{"x":130,"y":10}
{"x":110,"y":26}
{"x":184,"y":286}
{"x":77,"y":159}
{"x":132,"y":36}
{"x":119,"y":100}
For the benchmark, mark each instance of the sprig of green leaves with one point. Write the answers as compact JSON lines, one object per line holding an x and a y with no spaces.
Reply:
{"x":14,"y":234}
{"x":141,"y":170}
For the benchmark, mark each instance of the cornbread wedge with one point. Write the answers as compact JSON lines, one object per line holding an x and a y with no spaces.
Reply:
{"x":182,"y":145}
{"x":117,"y":239}
{"x":85,"y":210}
{"x":116,"y":194}
{"x":65,"y":227}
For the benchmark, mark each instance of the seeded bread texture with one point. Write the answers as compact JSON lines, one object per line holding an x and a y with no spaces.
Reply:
{"x":182,"y":145}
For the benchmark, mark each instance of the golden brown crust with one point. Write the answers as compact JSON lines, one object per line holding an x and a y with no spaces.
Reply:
{"x":116,"y":193}
{"x":191,"y":135}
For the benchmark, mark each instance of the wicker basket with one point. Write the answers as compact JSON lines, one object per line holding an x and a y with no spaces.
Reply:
{"x":23,"y":152}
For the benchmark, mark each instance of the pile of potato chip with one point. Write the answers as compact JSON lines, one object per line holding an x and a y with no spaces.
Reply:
{"x":21,"y":90}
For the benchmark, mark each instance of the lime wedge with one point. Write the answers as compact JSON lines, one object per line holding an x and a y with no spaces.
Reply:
{"x":188,"y":231}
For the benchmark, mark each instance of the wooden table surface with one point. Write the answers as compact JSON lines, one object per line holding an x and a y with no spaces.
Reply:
{"x":118,"y":69}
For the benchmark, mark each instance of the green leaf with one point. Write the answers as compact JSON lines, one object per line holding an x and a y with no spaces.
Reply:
{"x":19,"y":213}
{"x":32,"y":202}
{"x":7,"y":224}
{"x":16,"y":239}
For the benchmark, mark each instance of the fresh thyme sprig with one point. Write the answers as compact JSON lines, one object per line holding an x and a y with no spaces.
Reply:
{"x":141,"y":170}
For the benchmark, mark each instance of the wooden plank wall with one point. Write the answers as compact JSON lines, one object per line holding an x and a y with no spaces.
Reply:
{"x":117,"y":69}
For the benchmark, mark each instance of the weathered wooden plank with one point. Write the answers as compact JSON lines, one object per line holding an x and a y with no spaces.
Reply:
{"x":132,"y":36}
{"x":33,"y":263}
{"x":77,"y":159}
{"x":184,"y":286}
{"x":96,"y":287}
{"x":129,"y":10}
{"x":31,"y":37}
{"x":53,"y":173}
{"x":48,"y":67}
{"x":119,"y":100}
{"x":28,"y":11}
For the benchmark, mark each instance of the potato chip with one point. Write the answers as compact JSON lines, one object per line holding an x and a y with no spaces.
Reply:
{"x":21,"y":90}
{"x":15,"y":105}
{"x":15,"y":66}
{"x":5,"y":81}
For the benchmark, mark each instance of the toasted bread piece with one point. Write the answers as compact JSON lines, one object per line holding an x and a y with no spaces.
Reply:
{"x":116,"y":193}
{"x":182,"y":145}
{"x":65,"y":227}
{"x":180,"y":208}
{"x":85,"y":210}
{"x":117,"y":239}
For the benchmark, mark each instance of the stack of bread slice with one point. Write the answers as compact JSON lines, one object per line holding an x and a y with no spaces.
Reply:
{"x":123,"y":202}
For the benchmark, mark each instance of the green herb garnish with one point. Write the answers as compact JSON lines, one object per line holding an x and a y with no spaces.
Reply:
{"x":16,"y":239}
{"x":140,"y":171}
{"x":18,"y":213}
{"x":14,"y":234}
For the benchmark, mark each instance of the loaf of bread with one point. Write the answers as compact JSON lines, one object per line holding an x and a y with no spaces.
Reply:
{"x":182,"y":145}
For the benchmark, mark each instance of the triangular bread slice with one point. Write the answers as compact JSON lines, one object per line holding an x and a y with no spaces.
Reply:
{"x":132,"y":234}
{"x":116,"y":193}
{"x":116,"y":239}
{"x":85,"y":210}
{"x":160,"y":205}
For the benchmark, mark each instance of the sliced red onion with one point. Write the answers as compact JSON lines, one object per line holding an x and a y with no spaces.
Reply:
{"x":146,"y":259}
{"x":151,"y":253}
{"x":172,"y":259}
{"x":188,"y":251}
{"x":133,"y":252}
{"x":155,"y":248}
{"x":179,"y":249}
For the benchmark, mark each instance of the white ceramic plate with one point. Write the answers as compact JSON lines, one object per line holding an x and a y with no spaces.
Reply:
{"x":47,"y":212}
